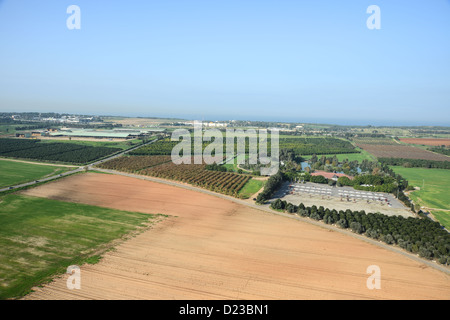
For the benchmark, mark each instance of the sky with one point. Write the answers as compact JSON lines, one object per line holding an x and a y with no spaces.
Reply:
{"x":277,"y":60}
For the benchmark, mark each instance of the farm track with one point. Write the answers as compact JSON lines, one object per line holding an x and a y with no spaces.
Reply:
{"x":214,"y":248}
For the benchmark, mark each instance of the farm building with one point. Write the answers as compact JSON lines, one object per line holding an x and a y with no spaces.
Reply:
{"x":330,"y":175}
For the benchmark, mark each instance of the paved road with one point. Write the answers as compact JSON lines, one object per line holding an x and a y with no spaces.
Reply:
{"x":79,"y":169}
{"x":266,"y":208}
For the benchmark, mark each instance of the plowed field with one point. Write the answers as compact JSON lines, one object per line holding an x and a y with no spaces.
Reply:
{"x":427,"y":142}
{"x":212,"y":248}
{"x":402,"y":151}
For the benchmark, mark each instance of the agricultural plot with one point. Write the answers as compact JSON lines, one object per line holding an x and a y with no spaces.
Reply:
{"x":434,"y":190}
{"x":161,"y":147}
{"x":375,"y":141}
{"x":14,"y":172}
{"x":56,"y":152}
{"x":427,"y":142}
{"x":134,"y":163}
{"x":40,"y":238}
{"x":402,"y":151}
{"x":110,"y":144}
{"x":212,"y":248}
{"x":301,"y":146}
{"x":310,"y":146}
{"x":196,"y":174}
{"x":251,"y":187}
{"x":363,"y":155}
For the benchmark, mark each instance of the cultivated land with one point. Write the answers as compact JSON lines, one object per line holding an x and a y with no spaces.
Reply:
{"x":434,"y":190}
{"x":53,"y":151}
{"x":17,"y":172}
{"x":427,"y":142}
{"x":363,"y":155}
{"x":40,"y":237}
{"x":213,"y":248}
{"x":95,"y":142}
{"x":402,"y":151}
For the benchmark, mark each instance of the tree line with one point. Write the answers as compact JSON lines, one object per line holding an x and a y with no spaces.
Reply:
{"x":421,"y":236}
{"x":415,"y":163}
{"x":56,"y":151}
{"x":273,"y":183}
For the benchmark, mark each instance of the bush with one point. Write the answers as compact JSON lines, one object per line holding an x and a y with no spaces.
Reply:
{"x":356,"y":227}
{"x":342,"y":223}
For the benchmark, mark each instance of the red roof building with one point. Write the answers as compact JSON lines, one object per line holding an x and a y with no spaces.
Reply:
{"x":330,"y":175}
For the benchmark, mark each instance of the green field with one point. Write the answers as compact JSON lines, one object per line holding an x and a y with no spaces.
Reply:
{"x":7,"y":129}
{"x":14,"y":173}
{"x":112,"y":144}
{"x":434,"y":190}
{"x":250,"y":188}
{"x":364,"y":155}
{"x":40,"y":238}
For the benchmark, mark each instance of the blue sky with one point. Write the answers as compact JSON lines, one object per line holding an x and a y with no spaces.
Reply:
{"x":297,"y":61}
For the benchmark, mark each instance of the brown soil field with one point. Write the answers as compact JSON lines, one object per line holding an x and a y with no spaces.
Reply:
{"x":427,"y":142}
{"x":213,"y":248}
{"x":402,"y":151}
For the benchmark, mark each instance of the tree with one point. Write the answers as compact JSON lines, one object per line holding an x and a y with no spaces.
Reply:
{"x":357,"y":227}
{"x":342,"y":223}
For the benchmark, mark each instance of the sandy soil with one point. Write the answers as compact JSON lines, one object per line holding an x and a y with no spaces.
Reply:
{"x":425,"y":141}
{"x":212,"y":248}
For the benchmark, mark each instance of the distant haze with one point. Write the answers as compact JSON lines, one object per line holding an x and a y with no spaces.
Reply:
{"x":274,"y":60}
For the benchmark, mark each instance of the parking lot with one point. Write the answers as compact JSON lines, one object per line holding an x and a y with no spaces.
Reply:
{"x":341,"y":198}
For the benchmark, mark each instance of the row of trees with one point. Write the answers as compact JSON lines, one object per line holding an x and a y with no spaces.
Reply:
{"x":441,"y":150}
{"x":424,"y":237}
{"x":370,"y":182}
{"x":196,"y":174}
{"x":310,"y":146}
{"x":133,"y":163}
{"x":415,"y":163}
{"x":272,"y":184}
{"x":56,"y":151}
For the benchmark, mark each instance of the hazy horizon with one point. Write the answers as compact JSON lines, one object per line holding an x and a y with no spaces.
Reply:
{"x":261,"y":60}
{"x":353,"y":122}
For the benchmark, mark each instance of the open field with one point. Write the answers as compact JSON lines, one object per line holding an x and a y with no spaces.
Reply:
{"x":139,"y":122}
{"x":95,"y":142}
{"x":40,"y":237}
{"x":250,"y":188}
{"x":443,"y":217}
{"x":402,"y":151}
{"x":16,"y":172}
{"x":427,"y":142}
{"x":364,"y":155}
{"x":434,"y":190}
{"x":376,"y":141}
{"x":212,"y":248}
